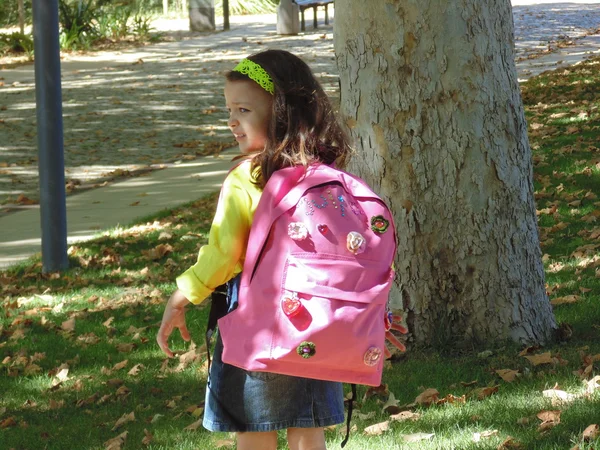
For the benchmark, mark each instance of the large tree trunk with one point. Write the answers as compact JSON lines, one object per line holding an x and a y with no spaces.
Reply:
{"x":429,"y":92}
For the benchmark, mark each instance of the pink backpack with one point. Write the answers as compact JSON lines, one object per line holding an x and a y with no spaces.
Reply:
{"x":315,"y":283}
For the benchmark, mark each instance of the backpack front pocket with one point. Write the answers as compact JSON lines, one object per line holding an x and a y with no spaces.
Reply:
{"x":331,"y":314}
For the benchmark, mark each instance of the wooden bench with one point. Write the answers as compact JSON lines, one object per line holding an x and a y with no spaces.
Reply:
{"x":314,"y":4}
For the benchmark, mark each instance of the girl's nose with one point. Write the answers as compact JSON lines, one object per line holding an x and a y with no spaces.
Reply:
{"x":232,"y":122}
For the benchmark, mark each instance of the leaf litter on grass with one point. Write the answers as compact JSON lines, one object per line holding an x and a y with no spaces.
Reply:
{"x":135,"y":266}
{"x":566,"y":161}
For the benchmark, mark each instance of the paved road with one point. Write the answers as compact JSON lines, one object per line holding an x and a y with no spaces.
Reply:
{"x":178,"y":85}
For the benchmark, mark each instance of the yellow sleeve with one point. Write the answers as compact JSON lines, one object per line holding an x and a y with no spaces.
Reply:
{"x":222,"y":258}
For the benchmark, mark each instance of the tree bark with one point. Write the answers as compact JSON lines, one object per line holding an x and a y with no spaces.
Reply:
{"x":165,"y":7}
{"x":21,"y":8}
{"x":429,"y":92}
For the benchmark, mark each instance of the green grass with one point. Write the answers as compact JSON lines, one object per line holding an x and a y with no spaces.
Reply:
{"x":117,"y":285}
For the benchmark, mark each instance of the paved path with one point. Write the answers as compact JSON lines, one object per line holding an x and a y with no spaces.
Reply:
{"x":553,"y":33}
{"x":161,"y":106}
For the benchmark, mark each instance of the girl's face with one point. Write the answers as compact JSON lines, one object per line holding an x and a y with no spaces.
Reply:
{"x":249,"y":108}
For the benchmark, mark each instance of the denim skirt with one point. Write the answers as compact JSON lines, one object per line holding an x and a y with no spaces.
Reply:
{"x":238,"y":400}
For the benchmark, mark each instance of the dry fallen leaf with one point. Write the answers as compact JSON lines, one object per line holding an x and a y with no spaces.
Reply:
{"x":68,"y":325}
{"x":125,"y":418}
{"x":194,"y":426}
{"x":528,"y":350}
{"x":62,"y":375}
{"x":8,"y":422}
{"x":427,"y":397}
{"x":116,"y":443}
{"x":53,"y":404}
{"x":507,"y":375}
{"x":549,"y":420}
{"x":120,"y":365}
{"x":381,"y":390}
{"x":565,"y":300}
{"x":591,"y":432}
{"x":415,"y":437}
{"x":557,"y":396}
{"x":484,"y":435}
{"x":482,"y":393}
{"x":135,"y":370}
{"x":452,"y":399}
{"x":148,"y":437}
{"x":405,"y":415}
{"x":158,"y":252}
{"x":593,"y":384}
{"x":125,"y":348}
{"x":510,"y":444}
{"x":23,"y":200}
{"x":377,"y":429}
{"x":541,"y":358}
{"x":225,"y":443}
{"x":553,"y":416}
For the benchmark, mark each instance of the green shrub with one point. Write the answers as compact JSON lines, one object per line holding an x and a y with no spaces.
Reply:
{"x":78,"y":16}
{"x":112,"y":22}
{"x":141,"y":27}
{"x":16,"y":43}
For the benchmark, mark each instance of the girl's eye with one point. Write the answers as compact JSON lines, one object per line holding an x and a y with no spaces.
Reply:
{"x":243,"y":110}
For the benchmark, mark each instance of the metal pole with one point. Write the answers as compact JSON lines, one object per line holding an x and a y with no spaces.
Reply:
{"x":226,"y":14}
{"x":53,"y":210}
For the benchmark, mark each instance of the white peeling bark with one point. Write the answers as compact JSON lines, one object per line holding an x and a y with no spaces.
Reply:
{"x":429,"y":92}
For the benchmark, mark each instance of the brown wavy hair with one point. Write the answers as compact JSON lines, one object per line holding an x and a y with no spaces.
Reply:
{"x":303,"y":128}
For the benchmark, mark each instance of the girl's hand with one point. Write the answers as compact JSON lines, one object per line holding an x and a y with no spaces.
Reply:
{"x":390,"y":337}
{"x":173,"y":317}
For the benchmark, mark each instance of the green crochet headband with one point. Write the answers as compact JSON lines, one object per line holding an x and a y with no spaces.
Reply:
{"x":256,"y":73}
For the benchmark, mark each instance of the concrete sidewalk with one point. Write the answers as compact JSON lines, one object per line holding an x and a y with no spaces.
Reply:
{"x":117,"y":204}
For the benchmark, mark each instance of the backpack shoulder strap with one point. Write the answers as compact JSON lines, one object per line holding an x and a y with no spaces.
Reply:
{"x":269,"y":208}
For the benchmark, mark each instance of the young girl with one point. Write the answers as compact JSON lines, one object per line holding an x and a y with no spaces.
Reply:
{"x":280,"y":116}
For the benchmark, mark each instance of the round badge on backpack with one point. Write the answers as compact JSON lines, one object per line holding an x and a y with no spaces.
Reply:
{"x":297,"y":231}
{"x":306,"y":349}
{"x":355,"y":242}
{"x":379,"y":224}
{"x":372,"y":356}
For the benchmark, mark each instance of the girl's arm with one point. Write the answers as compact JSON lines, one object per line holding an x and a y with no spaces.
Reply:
{"x":173,"y":317}
{"x":222,"y":257}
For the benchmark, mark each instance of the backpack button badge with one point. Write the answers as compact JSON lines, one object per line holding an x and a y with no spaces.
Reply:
{"x":372,"y":356}
{"x":297,"y":231}
{"x":290,"y":305}
{"x":379,"y":224}
{"x":306,"y":349}
{"x":355,"y":242}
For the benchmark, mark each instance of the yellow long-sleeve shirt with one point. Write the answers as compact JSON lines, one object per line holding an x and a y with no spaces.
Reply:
{"x":223,"y":257}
